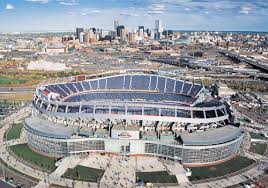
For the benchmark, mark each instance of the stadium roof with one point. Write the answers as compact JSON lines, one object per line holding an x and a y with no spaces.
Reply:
{"x":47,"y":128}
{"x":211,"y":137}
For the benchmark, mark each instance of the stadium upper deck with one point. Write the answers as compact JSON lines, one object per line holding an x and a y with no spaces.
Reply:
{"x":132,"y":87}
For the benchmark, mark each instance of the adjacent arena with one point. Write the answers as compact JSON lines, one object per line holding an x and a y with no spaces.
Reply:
{"x":132,"y":114}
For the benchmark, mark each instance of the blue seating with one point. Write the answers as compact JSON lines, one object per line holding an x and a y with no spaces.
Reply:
{"x":170,"y":85}
{"x":127,"y":82}
{"x":86,"y":85}
{"x":59,"y":90}
{"x":161,"y":84}
{"x":178,"y":86}
{"x":128,"y":96}
{"x":63,"y":87}
{"x":195,"y":90}
{"x":167,"y":112}
{"x":153,"y":85}
{"x":94,"y":85}
{"x":71,"y":87}
{"x":115,"y":82}
{"x":186,"y":88}
{"x":78,"y":86}
{"x":140,"y":82}
{"x":102,"y":83}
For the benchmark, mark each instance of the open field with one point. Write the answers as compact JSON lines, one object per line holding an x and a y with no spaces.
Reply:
{"x":14,"y":131}
{"x":25,"y":153}
{"x":156,"y":177}
{"x":83,"y":173}
{"x":16,"y":97}
{"x":29,"y":78}
{"x":233,"y":165}
{"x":258,"y":148}
{"x":10,"y":81}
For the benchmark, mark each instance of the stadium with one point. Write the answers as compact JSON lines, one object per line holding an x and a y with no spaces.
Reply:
{"x":132,"y":114}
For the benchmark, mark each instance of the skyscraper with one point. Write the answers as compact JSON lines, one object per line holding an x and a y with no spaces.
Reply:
{"x":81,"y":37}
{"x":118,"y":29}
{"x":123,"y":34}
{"x":266,"y":40}
{"x":116,"y":24}
{"x":159,"y":26}
{"x":141,"y":27}
{"x":78,"y":31}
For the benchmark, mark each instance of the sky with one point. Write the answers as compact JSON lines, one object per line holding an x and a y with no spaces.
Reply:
{"x":66,"y":15}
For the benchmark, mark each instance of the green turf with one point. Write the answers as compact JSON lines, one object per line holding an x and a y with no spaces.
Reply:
{"x":7,"y":80}
{"x":233,"y":165}
{"x":14,"y":131}
{"x":83,"y":173}
{"x":24,"y":152}
{"x":258,"y":148}
{"x":156,"y":177}
{"x":256,"y":136}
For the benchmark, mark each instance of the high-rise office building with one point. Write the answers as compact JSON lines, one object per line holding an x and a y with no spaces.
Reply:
{"x":159,"y":26}
{"x":81,"y":37}
{"x":118,"y":29}
{"x":141,"y":34}
{"x":78,"y":31}
{"x":141,"y":27}
{"x":266,"y":40}
{"x":132,"y":37}
{"x":123,"y":34}
{"x":152,"y":33}
{"x":113,"y":34}
{"x":116,"y":24}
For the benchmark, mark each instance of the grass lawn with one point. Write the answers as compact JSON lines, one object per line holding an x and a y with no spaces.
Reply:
{"x":14,"y":131}
{"x":258,"y":148}
{"x":83,"y":173}
{"x":156,"y":177}
{"x":206,"y":172}
{"x":24,"y":152}
{"x":7,"y":80}
{"x":256,"y":136}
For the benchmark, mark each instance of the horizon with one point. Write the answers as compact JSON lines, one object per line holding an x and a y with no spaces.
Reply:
{"x":186,"y":15}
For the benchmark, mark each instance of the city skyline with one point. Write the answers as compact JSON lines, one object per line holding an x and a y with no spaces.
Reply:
{"x":65,"y":15}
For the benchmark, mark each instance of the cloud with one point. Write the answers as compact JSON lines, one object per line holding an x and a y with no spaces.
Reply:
{"x":129,"y":14}
{"x":95,"y":11}
{"x":69,"y":2}
{"x":9,"y":7}
{"x":39,"y":1}
{"x":157,"y":7}
{"x":155,"y":12}
{"x":245,"y":9}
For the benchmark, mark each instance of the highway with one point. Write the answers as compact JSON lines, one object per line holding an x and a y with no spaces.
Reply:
{"x":16,"y":90}
{"x":182,"y":62}
{"x":239,"y":58}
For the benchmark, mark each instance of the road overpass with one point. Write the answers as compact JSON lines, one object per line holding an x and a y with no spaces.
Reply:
{"x":255,"y":63}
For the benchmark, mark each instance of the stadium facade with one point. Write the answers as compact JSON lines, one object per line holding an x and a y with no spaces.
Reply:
{"x":132,"y":114}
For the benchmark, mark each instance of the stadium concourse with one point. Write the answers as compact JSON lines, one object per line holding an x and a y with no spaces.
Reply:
{"x":132,"y":114}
